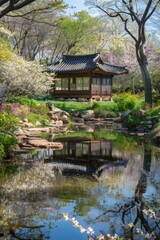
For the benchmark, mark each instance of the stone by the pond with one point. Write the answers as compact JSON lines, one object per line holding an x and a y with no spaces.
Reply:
{"x":28,"y":124}
{"x":35,"y":131}
{"x":149,"y":126}
{"x":140,"y":134}
{"x":38,"y":123}
{"x":43,"y":143}
{"x":57,"y":114}
{"x":19,"y":131}
{"x":57,"y":123}
{"x":141,"y":128}
{"x":127,"y":113}
{"x":140,"y":112}
{"x":156,"y":135}
{"x":149,"y":122}
{"x":78,"y":120}
{"x":87,"y":115}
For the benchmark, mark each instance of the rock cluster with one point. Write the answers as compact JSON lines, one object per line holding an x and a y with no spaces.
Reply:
{"x":58,"y":116}
{"x":88,"y":118}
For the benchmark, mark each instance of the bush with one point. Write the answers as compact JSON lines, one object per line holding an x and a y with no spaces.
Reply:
{"x":132,"y":121}
{"x":154,"y":112}
{"x":105,"y":109}
{"x":127,"y":101}
{"x":8,"y":126}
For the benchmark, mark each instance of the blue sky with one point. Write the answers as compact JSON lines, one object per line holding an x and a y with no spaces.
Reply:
{"x":78,"y":4}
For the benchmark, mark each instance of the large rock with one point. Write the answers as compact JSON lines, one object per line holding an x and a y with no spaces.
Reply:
{"x":140,"y":112}
{"x":37,"y":131}
{"x":57,"y":114}
{"x":87,"y":115}
{"x":43,"y":143}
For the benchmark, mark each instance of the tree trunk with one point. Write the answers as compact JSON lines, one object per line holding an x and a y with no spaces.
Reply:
{"x":142,"y":60}
{"x":147,"y":83}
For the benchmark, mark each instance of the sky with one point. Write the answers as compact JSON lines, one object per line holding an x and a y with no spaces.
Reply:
{"x":77,"y":4}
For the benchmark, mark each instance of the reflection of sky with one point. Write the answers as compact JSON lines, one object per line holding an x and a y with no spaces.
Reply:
{"x":86,"y":200}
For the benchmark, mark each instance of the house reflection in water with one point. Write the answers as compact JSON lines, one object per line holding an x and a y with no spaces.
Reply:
{"x":89,"y":158}
{"x":88,"y":149}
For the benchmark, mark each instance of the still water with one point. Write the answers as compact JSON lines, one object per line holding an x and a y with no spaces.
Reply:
{"x":102,"y":178}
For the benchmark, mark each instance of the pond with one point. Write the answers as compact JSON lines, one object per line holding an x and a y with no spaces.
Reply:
{"x":103,"y":179}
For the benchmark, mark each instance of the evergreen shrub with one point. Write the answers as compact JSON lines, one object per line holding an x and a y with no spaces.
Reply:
{"x":126,"y":101}
{"x":8,"y":126}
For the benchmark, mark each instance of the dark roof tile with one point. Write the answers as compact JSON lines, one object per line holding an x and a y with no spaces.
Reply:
{"x":84,"y":63}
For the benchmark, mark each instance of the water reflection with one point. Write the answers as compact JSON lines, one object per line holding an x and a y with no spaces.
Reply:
{"x":105,"y":180}
{"x":86,"y":158}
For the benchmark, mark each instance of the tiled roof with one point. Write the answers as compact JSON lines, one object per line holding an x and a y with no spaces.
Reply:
{"x":84,"y":63}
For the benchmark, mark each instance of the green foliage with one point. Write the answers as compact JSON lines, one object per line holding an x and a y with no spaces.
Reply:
{"x":105,"y":109}
{"x":23,"y":101}
{"x":8,"y":123}
{"x":79,"y":30}
{"x":5,"y":51}
{"x":8,"y":126}
{"x":127,"y":101}
{"x":33,"y":118}
{"x":132,"y":121}
{"x":7,"y":145}
{"x":154,"y":111}
{"x":38,"y":109}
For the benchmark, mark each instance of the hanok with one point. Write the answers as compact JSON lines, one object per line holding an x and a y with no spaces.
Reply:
{"x":84,"y":76}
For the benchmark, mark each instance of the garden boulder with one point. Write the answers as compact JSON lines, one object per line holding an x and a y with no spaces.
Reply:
{"x":57,"y":114}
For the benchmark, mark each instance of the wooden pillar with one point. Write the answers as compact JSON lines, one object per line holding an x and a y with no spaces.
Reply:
{"x":111,"y":90}
{"x":90,"y":84}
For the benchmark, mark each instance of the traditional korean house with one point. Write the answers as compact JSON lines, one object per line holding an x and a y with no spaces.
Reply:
{"x":84,"y":76}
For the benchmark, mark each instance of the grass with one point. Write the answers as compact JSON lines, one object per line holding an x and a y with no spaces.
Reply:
{"x":68,"y":106}
{"x":122,"y":103}
{"x":33,"y":118}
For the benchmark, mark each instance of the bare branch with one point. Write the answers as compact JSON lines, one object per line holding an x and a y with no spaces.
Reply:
{"x":153,"y":10}
{"x":13,"y":7}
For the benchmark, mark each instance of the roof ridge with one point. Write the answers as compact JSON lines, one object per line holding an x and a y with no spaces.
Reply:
{"x":113,"y":65}
{"x":81,"y":55}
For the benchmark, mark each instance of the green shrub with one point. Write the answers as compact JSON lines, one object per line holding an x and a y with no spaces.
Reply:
{"x":127,"y":101}
{"x":154,"y":111}
{"x":8,"y":126}
{"x":105,"y":109}
{"x":7,"y":145}
{"x":8,"y":123}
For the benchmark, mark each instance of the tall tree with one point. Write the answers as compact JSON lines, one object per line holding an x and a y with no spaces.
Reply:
{"x":137,"y":12}
{"x":78,"y":31}
{"x":33,"y":26}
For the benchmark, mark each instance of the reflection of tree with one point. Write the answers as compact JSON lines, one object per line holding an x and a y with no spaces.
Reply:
{"x":28,"y":232}
{"x":133,"y":212}
{"x":25,"y":203}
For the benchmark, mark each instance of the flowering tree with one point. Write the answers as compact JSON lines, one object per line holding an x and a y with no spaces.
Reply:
{"x":138,"y":13}
{"x":22,"y":77}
